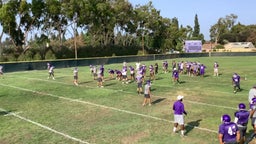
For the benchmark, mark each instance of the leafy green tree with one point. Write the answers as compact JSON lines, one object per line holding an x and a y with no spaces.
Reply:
{"x":223,"y":25}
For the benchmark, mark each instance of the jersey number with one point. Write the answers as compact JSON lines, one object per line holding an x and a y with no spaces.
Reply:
{"x":231,"y":130}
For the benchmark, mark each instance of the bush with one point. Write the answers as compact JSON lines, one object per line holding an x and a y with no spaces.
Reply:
{"x":37,"y":56}
{"x":49,"y":55}
{"x":219,"y":47}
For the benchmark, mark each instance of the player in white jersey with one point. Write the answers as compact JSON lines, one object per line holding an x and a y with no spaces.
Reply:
{"x":75,"y":73}
{"x":51,"y":72}
{"x":215,"y":69}
{"x":137,"y":66}
{"x":100,"y":80}
{"x":147,"y":94}
{"x":1,"y":71}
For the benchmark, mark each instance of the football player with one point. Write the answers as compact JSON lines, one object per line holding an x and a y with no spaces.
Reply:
{"x":241,"y":119}
{"x":228,"y":131}
{"x":236,"y":82}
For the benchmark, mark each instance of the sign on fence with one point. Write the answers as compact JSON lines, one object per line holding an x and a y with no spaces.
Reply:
{"x":193,"y":46}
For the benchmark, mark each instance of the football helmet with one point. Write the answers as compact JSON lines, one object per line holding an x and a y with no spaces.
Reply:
{"x":225,"y":118}
{"x":241,"y":106}
{"x":254,"y":100}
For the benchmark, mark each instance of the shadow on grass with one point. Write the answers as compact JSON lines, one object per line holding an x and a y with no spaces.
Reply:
{"x":86,"y":82}
{"x":206,"y":76}
{"x":158,"y":100}
{"x":2,"y":113}
{"x":159,"y":78}
{"x":191,"y":125}
{"x":110,"y":84}
{"x":182,"y":82}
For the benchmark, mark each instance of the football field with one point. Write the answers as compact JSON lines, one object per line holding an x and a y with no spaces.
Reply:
{"x":34,"y":109}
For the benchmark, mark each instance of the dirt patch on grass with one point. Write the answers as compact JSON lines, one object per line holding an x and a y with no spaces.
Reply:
{"x":134,"y":138}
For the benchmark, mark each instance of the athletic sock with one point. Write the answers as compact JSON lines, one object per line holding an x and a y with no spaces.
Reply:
{"x":182,"y":132}
{"x":174,"y":129}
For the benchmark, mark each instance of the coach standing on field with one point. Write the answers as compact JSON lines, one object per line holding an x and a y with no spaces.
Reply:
{"x":179,"y":110}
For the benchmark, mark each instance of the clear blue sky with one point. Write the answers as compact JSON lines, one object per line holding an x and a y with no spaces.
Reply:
{"x":208,"y":11}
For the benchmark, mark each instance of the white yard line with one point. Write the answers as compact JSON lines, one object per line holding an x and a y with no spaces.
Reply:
{"x":44,"y":127}
{"x":194,"y":102}
{"x":103,"y":106}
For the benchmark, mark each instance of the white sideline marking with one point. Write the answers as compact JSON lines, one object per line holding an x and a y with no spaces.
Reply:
{"x":43,"y":126}
{"x":8,"y":114}
{"x":103,"y":106}
{"x":194,"y":102}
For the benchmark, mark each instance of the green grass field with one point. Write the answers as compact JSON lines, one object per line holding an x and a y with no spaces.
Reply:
{"x":34,"y":109}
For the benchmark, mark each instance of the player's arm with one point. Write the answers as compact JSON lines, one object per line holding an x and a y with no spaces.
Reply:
{"x":220,"y":138}
{"x":237,"y":136}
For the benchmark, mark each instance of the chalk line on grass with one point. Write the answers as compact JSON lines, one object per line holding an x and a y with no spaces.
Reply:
{"x":43,"y":126}
{"x":194,"y":102}
{"x":106,"y":107}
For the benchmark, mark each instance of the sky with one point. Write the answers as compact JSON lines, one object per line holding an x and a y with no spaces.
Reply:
{"x":208,"y":11}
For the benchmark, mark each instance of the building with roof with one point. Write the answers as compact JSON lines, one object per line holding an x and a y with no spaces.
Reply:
{"x":239,"y":47}
{"x":208,"y":47}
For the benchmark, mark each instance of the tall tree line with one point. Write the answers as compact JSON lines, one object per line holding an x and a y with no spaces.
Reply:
{"x":43,"y":29}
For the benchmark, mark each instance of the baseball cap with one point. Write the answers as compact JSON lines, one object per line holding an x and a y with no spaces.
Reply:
{"x":179,"y":97}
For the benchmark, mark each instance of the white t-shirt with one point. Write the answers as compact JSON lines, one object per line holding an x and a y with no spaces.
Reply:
{"x":137,"y":66}
{"x":252,"y":94}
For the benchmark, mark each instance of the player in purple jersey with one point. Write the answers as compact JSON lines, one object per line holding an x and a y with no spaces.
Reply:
{"x":228,"y":131}
{"x":236,"y":82}
{"x":111,"y":73}
{"x":175,"y":76}
{"x":151,"y":72}
{"x":156,"y":68}
{"x":241,"y":119}
{"x":202,"y":70}
{"x":132,"y":73}
{"x":179,"y":110}
{"x":147,"y":94}
{"x":118,"y":75}
{"x":102,"y":69}
{"x":165,"y":66}
{"x":75,"y":73}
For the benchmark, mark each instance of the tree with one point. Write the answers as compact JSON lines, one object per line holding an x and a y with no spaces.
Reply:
{"x":223,"y":25}
{"x":196,"y":31}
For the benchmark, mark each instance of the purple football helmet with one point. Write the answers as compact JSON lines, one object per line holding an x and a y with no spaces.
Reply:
{"x":254,"y":100}
{"x":241,"y":106}
{"x":225,"y":118}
